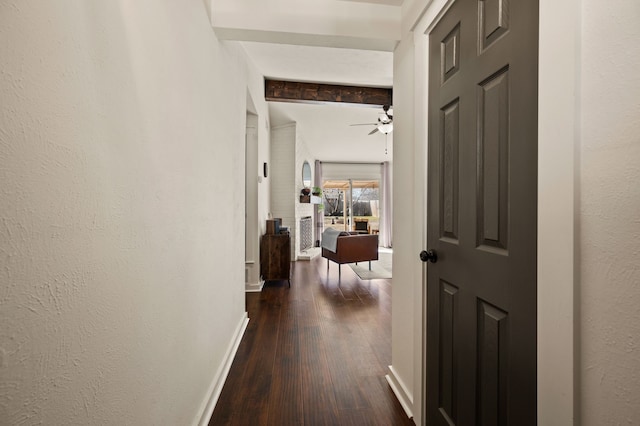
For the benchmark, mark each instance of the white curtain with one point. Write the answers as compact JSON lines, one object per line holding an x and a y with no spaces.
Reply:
{"x":319,"y":213}
{"x":386,"y":213}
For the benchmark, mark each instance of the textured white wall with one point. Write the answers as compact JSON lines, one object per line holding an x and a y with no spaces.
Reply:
{"x":255,"y":86}
{"x":264,"y":156}
{"x":252,"y":226}
{"x":301,"y":209}
{"x":609,"y":229}
{"x":288,"y":152}
{"x":283,"y":189}
{"x":122,"y":164}
{"x":259,"y":187}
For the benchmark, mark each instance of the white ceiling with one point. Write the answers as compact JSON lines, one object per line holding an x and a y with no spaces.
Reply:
{"x":322,"y":64}
{"x":328,"y":132}
{"x":326,"y":129}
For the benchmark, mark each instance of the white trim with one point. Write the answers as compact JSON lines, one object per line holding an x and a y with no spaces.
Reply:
{"x":221,"y":375}
{"x":310,"y":253}
{"x":440,"y":12}
{"x":558,"y":138}
{"x":254,"y":287}
{"x":400,"y":390}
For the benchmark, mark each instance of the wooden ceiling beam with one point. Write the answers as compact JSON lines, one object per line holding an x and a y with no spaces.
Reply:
{"x":296,"y":91}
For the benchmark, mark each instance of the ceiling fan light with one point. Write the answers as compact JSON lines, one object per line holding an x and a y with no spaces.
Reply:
{"x":385,"y":128}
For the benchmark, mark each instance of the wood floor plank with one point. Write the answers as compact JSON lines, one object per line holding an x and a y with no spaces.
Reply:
{"x":314,"y":354}
{"x":255,"y":381}
{"x":317,"y":388}
{"x":286,"y":402}
{"x":385,"y":405}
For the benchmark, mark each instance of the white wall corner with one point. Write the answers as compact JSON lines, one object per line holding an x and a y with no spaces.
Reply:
{"x":401,"y":392}
{"x":254,"y":287}
{"x":207,"y":7}
{"x":212,"y":395}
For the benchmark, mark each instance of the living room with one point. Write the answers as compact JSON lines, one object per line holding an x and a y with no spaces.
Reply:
{"x":340,"y":139}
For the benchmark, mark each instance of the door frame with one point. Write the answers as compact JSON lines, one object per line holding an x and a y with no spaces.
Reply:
{"x":253,"y":281}
{"x":558,"y":138}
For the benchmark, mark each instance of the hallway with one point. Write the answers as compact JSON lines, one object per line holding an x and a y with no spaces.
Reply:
{"x":314,"y":354}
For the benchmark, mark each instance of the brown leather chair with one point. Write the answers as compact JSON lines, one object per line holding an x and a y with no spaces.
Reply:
{"x":353,"y":248}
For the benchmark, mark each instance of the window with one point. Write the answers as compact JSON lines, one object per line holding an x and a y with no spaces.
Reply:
{"x":352,"y":205}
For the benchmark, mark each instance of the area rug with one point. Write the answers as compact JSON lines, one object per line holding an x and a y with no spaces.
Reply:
{"x":380,"y":269}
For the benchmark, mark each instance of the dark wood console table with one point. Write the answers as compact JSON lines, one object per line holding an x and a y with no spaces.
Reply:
{"x":275,"y":257}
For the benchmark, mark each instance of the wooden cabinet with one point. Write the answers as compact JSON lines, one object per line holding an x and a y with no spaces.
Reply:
{"x":275,"y":257}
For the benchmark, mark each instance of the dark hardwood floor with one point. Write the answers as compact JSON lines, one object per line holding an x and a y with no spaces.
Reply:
{"x":314,"y":354}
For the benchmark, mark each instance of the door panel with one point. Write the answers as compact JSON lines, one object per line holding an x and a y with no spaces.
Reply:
{"x":481,"y":294}
{"x":493,"y":16}
{"x":493,"y":161}
{"x":492,"y":364}
{"x":448,"y":351}
{"x":450,"y":123}
{"x":450,"y":54}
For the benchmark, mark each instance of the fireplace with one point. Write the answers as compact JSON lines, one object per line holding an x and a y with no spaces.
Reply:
{"x":306,"y":233}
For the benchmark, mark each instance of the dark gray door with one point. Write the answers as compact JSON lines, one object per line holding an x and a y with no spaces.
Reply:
{"x":482,"y":185}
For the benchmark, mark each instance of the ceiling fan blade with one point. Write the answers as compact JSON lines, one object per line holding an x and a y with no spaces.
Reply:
{"x":373,"y":131}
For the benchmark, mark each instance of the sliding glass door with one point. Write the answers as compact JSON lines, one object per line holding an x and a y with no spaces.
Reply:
{"x":352,"y":205}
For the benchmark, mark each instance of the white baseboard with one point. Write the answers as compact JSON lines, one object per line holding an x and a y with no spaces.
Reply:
{"x":254,"y":288}
{"x":309,"y":253}
{"x":221,"y":375}
{"x":400,"y":390}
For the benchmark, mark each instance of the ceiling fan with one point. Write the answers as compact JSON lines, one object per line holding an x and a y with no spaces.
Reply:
{"x":385,"y":122}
